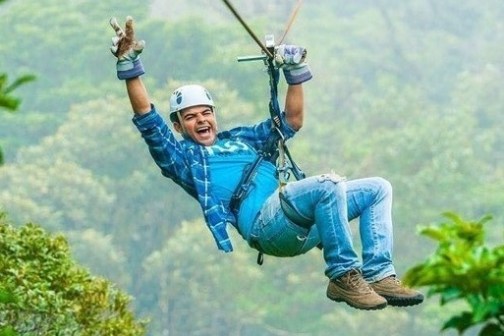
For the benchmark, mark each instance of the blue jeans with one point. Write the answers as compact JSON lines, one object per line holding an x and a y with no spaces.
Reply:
{"x":329,"y":203}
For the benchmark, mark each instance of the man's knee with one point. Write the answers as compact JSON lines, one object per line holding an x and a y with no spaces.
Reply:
{"x":383,"y":186}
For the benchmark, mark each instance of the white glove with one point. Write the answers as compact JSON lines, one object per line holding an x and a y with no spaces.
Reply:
{"x":127,"y":50}
{"x":291,"y":59}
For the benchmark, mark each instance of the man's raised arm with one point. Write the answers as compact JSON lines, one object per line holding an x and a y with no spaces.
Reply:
{"x":129,"y":66}
{"x":291,"y":59}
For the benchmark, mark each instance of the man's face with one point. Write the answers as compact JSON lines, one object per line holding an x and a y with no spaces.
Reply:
{"x":198,"y":122}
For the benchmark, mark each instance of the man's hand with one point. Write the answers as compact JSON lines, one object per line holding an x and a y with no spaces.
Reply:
{"x":289,"y":54}
{"x":291,"y":59}
{"x":127,"y":50}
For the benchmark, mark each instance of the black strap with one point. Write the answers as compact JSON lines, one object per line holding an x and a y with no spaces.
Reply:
{"x":244,"y":185}
{"x":260,"y":258}
{"x":275,"y":114}
{"x":268,"y":153}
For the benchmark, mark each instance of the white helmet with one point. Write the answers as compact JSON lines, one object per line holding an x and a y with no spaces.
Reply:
{"x":187,"y":96}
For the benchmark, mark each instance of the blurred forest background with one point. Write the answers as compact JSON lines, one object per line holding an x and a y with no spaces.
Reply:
{"x":407,"y":90}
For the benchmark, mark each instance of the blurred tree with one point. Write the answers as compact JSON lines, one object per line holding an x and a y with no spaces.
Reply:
{"x":101,"y":253}
{"x":51,"y":294}
{"x":464,"y":268}
{"x":232,"y":293}
{"x":60,"y":194}
{"x":71,"y":69}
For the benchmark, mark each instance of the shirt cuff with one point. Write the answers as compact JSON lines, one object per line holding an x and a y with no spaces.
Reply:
{"x":148,"y":120}
{"x":287,"y":130}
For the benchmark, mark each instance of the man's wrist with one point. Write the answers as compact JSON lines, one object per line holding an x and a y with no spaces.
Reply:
{"x":127,"y":69}
{"x":297,"y":75}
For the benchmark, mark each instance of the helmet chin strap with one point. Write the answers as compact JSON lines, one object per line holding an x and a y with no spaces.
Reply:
{"x":179,"y":116}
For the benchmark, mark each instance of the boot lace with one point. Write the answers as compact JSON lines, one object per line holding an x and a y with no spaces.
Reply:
{"x":354,"y":280}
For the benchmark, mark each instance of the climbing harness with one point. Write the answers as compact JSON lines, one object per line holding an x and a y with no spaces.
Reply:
{"x":275,"y":149}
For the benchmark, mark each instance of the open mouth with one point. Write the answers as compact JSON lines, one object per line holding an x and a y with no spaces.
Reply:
{"x":203,"y":130}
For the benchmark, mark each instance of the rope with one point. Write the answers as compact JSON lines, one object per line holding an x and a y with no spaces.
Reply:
{"x":291,"y":20}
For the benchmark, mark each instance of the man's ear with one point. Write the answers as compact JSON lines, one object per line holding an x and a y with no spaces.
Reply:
{"x":177,"y":126}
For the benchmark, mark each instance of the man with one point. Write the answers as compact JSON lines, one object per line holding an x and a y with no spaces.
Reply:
{"x":279,"y":221}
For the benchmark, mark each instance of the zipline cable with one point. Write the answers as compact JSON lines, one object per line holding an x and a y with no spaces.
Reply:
{"x":247,"y":28}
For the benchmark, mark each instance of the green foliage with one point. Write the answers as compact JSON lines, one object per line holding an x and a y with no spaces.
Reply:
{"x":8,"y":331}
{"x":7,"y":101}
{"x":464,"y":268}
{"x":44,"y":292}
{"x":5,"y":298}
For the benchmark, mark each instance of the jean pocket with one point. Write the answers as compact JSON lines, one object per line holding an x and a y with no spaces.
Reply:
{"x":282,"y":238}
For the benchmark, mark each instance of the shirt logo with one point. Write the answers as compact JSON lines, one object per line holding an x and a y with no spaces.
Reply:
{"x":226,"y":147}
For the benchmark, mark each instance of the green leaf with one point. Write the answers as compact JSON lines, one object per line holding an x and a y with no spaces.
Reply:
{"x":460,"y":322}
{"x":6,"y":296}
{"x":450,"y":294}
{"x":18,"y":82}
{"x":433,"y":232}
{"x":8,"y":102}
{"x":454,"y":217}
{"x":491,"y":329}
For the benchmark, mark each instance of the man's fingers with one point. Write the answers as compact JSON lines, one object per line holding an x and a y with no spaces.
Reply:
{"x":124,"y":41}
{"x":115,"y":40}
{"x":117,"y":28}
{"x":130,"y":33}
{"x":115,"y":45}
{"x":139,"y":45}
{"x":114,"y":49}
{"x":303,"y":57}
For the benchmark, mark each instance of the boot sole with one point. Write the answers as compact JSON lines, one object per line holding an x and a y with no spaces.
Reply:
{"x":403,"y":302}
{"x":376,"y":307}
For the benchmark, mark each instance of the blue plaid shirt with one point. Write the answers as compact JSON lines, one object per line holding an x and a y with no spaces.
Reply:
{"x":185,"y":162}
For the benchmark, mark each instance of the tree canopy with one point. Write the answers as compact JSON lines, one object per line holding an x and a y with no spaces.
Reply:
{"x":46,"y":293}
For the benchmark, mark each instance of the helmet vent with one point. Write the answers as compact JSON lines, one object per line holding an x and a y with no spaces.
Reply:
{"x":178,"y":94}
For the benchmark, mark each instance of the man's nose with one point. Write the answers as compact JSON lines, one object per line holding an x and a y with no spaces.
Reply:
{"x":200,"y":117}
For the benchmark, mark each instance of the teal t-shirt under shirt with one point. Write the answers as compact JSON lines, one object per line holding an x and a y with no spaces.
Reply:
{"x":227,"y":159}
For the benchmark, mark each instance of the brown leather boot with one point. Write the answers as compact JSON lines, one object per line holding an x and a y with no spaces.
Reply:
{"x":355,"y":291}
{"x":395,"y":293}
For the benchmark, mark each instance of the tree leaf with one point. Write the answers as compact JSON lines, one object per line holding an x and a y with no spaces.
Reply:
{"x":492,"y":329}
{"x":18,"y":82}
{"x":460,"y":322}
